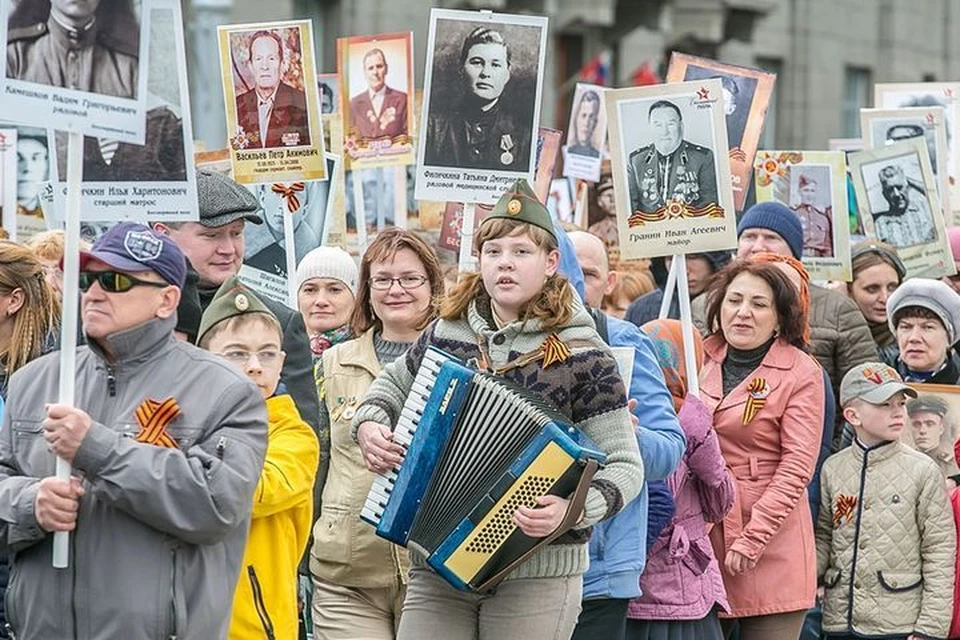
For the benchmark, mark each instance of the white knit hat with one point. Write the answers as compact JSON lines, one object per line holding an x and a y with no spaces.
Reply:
{"x":328,"y":262}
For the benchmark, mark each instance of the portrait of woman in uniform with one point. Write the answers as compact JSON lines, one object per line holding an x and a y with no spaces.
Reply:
{"x":485,"y":115}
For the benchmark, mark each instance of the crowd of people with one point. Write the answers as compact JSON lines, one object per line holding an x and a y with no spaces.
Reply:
{"x":223,"y":445}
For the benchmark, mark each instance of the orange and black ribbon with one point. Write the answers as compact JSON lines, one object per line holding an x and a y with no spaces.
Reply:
{"x":554,"y":350}
{"x":843,"y":509}
{"x":757,"y":392}
{"x":289,"y":192}
{"x":672,"y":210}
{"x":153,"y":418}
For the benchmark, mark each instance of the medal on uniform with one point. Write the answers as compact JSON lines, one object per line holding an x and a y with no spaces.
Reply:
{"x":506,"y":143}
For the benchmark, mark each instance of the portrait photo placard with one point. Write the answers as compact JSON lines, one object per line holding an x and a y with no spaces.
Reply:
{"x":305,"y":208}
{"x":931,"y":94}
{"x":481,"y":103}
{"x":376,"y":99}
{"x":155,"y":181}
{"x":898,"y":203}
{"x":328,"y":86}
{"x":272,"y":104}
{"x":586,"y":134}
{"x":81,"y":68}
{"x":933,"y":424}
{"x":746,"y":96}
{"x":813,"y":184}
{"x":671,"y":169}
{"x":883,"y":127}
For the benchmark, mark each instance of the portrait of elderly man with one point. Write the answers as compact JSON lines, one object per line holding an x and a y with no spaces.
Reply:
{"x":585,"y":124}
{"x":272,"y":113}
{"x":931,"y":432}
{"x":85,"y":45}
{"x":483,"y":129}
{"x":379,"y":111}
{"x":907,"y":221}
{"x":815,"y":218}
{"x":670,"y":168}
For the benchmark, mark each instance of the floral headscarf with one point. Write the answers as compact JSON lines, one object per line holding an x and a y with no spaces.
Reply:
{"x":667,"y":338}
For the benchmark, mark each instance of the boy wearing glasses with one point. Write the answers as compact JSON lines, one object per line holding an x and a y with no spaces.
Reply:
{"x":166,"y":442}
{"x":238,"y":327}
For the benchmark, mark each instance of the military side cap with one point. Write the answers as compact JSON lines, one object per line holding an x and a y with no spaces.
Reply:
{"x":232,"y":299}
{"x":520,"y":203}
{"x":927,"y":403}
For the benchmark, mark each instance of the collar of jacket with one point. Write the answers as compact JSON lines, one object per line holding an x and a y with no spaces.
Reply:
{"x":360,"y":352}
{"x":876,"y":453}
{"x":138,"y":344}
{"x":781,"y":355}
{"x":949,"y":373}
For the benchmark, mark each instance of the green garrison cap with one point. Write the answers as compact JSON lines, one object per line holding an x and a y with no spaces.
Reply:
{"x":232,"y":299}
{"x":521,"y":203}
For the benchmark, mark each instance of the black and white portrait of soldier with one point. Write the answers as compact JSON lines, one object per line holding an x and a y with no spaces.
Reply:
{"x":84,"y":45}
{"x":670,"y":167}
{"x":583,"y":125}
{"x":483,"y":95}
{"x":33,"y":170}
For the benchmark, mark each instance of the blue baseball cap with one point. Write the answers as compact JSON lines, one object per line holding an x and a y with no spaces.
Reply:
{"x":133,"y":247}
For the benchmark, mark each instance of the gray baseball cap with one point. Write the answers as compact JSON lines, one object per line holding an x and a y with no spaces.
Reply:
{"x":872,"y":382}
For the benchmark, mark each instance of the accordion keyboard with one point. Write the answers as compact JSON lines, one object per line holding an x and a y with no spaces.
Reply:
{"x":413,"y":409}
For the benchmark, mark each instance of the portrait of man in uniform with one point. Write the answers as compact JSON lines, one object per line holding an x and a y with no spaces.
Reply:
{"x":84,"y":45}
{"x":272,"y":113}
{"x":931,"y":431}
{"x":815,"y":216}
{"x":487,"y":122}
{"x":907,"y":220}
{"x":380,"y":111}
{"x":33,"y":170}
{"x":670,"y":168}
{"x":584,"y":125}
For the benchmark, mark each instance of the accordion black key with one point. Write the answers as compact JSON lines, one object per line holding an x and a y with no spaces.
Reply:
{"x":478,"y":447}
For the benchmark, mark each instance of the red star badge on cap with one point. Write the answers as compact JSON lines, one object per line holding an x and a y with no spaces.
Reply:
{"x":704,"y":93}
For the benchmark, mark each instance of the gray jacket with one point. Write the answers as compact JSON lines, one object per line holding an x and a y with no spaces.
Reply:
{"x":161,"y":531}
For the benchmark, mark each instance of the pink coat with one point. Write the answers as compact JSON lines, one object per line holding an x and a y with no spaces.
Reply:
{"x":773,"y":457}
{"x":682,"y":579}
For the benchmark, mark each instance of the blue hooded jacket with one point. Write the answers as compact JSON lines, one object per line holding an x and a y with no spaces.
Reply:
{"x":618,"y":546}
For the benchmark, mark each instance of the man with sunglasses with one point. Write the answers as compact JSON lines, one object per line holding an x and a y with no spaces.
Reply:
{"x":215,"y":248}
{"x":166,"y":442}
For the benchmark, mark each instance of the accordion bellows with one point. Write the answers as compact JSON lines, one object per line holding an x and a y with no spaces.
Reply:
{"x":478,"y":447}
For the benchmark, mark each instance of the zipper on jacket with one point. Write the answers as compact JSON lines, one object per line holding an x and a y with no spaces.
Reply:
{"x":173,"y":594}
{"x":259,"y":605}
{"x":856,"y":537}
{"x":111,"y":382}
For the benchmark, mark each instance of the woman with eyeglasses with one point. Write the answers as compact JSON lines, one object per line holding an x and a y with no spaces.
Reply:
{"x":877,"y":272}
{"x":359,"y":579}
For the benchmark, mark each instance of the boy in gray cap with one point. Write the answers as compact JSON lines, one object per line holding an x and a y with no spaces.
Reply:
{"x":924,"y":315}
{"x":215,"y":248}
{"x":886,"y":542}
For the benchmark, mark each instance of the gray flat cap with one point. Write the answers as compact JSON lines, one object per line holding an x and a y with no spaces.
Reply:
{"x":222,"y":200}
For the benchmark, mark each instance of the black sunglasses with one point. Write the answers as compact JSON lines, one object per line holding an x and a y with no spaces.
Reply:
{"x":114,"y":281}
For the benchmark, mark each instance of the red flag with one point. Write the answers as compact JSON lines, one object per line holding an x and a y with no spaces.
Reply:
{"x":644,"y":76}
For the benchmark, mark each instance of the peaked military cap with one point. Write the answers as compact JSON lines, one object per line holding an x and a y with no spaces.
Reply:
{"x":232,"y":299}
{"x":929,"y":404}
{"x":520,"y":203}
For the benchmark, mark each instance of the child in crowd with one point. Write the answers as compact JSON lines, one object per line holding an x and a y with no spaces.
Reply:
{"x":886,"y":542}
{"x":238,"y":327}
{"x":520,"y":319}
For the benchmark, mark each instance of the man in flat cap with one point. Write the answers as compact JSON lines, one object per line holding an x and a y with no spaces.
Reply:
{"x":86,"y":45}
{"x":907,"y":221}
{"x":931,"y":436}
{"x":670,"y":168}
{"x":166,"y":442}
{"x":816,"y":220}
{"x":215,"y":248}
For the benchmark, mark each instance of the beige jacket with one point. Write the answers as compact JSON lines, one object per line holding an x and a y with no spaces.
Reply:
{"x":346,"y":550}
{"x":886,"y":543}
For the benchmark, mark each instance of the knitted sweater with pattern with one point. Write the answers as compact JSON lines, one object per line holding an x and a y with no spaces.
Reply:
{"x":586,"y":387}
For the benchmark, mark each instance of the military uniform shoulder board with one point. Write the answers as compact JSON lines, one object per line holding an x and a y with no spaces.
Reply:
{"x":640,"y":151}
{"x":27,"y":33}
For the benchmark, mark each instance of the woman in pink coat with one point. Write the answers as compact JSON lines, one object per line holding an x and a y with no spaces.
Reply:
{"x":681,"y":584}
{"x":766,"y":394}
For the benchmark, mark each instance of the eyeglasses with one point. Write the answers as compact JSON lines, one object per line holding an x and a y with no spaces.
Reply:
{"x":405,"y":282}
{"x":114,"y":281}
{"x":240,"y":357}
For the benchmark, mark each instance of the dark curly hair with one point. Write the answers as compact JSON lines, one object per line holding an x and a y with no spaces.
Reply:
{"x":786,"y":299}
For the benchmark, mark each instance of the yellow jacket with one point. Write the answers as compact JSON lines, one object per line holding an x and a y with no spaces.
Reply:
{"x":265,"y":604}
